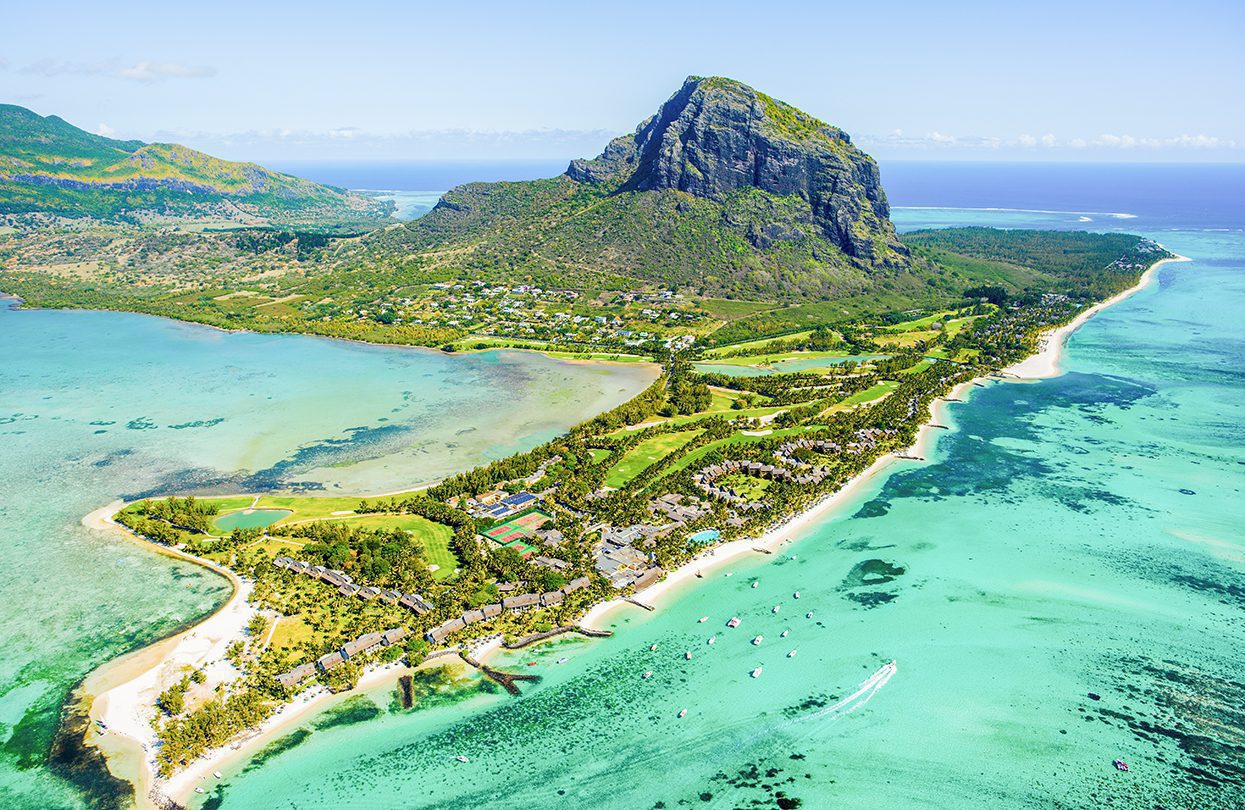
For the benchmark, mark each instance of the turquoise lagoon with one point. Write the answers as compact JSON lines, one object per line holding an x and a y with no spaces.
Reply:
{"x":1061,"y":584}
{"x":96,"y":406}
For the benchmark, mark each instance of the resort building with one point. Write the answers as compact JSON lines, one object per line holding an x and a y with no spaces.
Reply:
{"x":523,"y":601}
{"x":327,"y":662}
{"x":365,"y":642}
{"x":296,"y":675}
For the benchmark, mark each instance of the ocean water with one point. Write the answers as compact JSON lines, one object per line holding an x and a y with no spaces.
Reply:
{"x":1062,"y":583}
{"x":96,"y":406}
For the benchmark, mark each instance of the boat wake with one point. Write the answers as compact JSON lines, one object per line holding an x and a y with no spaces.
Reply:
{"x":867,"y":689}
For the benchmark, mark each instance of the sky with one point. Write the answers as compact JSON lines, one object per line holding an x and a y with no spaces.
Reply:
{"x":1131,"y":81}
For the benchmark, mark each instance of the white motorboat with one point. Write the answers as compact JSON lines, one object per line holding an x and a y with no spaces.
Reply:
{"x":795,"y":595}
{"x":756,"y":583}
{"x":776,"y":608}
{"x":712,"y":639}
{"x":784,"y":633}
{"x":756,"y":642}
{"x":683,"y":713}
{"x":688,"y":655}
{"x":756,"y":673}
{"x":653,"y":648}
{"x":648,"y":674}
{"x":734,"y":622}
{"x":791,"y":654}
{"x":702,"y":619}
{"x":808,"y":615}
{"x":461,"y":758}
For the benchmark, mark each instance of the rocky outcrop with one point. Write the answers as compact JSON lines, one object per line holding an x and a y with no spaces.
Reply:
{"x":716,"y":136}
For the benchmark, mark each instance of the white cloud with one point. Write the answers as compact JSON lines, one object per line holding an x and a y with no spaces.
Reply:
{"x":1049,"y":140}
{"x":106,"y":131}
{"x":155,"y":71}
{"x":939,"y":137}
{"x":1027,"y":140}
{"x":114,"y":68}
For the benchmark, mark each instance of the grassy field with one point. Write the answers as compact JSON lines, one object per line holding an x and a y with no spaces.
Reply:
{"x":599,"y":454}
{"x":868,"y":395}
{"x":748,"y":486}
{"x":754,"y":344}
{"x":644,"y":454}
{"x":434,"y":537}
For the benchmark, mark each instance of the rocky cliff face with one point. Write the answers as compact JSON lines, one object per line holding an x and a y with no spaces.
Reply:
{"x":716,"y":136}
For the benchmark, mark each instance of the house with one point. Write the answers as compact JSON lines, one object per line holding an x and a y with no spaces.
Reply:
{"x":317,"y":571}
{"x":551,"y":537}
{"x":369,"y":592}
{"x":416,"y":603}
{"x":520,"y":500}
{"x":300,"y":567}
{"x":327,"y":662}
{"x":551,"y":599}
{"x":507,"y":587}
{"x":281,"y":562}
{"x":390,"y":597}
{"x":297,"y":675}
{"x":393,"y":636}
{"x":473,"y":616}
{"x":523,"y":601}
{"x":648,"y":578}
{"x":348,"y":589}
{"x":551,"y":562}
{"x":439,"y":633}
{"x":576,"y":584}
{"x":365,"y":642}
{"x":491,"y":610}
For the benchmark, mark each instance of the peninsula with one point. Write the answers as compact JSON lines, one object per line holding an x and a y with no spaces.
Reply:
{"x":738,"y":242}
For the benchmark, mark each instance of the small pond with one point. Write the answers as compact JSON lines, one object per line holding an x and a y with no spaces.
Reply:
{"x":249,"y":519}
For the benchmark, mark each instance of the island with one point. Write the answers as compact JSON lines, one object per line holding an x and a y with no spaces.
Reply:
{"x":739,"y":243}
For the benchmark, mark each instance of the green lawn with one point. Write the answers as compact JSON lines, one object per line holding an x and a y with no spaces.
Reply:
{"x":644,"y":454}
{"x":599,"y":454}
{"x":748,"y":486}
{"x":868,"y":395}
{"x":434,"y":537}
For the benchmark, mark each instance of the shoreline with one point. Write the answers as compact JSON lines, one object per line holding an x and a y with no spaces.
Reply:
{"x":126,"y":756}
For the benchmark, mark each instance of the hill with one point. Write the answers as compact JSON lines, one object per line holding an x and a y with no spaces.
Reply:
{"x":48,"y":165}
{"x":724,"y":191}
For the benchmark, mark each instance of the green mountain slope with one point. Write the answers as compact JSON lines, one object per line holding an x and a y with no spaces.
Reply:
{"x":48,"y":165}
{"x":725,"y":191}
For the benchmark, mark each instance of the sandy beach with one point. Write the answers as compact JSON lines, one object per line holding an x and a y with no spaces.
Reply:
{"x":124,"y":690}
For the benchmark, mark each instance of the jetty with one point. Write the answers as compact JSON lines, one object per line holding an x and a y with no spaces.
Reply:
{"x":638,"y":603}
{"x":526,"y":641}
{"x":506,"y":679}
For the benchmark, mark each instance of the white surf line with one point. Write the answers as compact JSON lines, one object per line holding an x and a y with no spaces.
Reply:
{"x":867,"y":689}
{"x":1113,"y":214}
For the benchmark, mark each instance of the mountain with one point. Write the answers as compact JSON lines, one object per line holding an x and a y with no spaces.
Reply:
{"x":724,"y":191}
{"x":49,"y":165}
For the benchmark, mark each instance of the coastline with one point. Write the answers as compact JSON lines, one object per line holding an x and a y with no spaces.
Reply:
{"x":121,"y":689}
{"x":1045,"y":363}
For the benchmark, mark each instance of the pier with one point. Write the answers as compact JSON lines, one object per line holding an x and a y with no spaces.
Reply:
{"x":506,"y":679}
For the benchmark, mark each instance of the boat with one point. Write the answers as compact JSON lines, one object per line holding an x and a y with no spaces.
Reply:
{"x":531,"y":663}
{"x":795,"y":595}
{"x":563,"y":660}
{"x":808,"y":615}
{"x":756,"y":673}
{"x":651,"y":649}
{"x":648,"y":674}
{"x":756,"y":583}
{"x":730,"y":573}
{"x":683,"y":713}
{"x":784,"y":633}
{"x":712,"y":639}
{"x":217,"y":774}
{"x":200,"y":790}
{"x":757,"y":641}
{"x":1120,"y":765}
{"x":702,"y":619}
{"x":791,"y":654}
{"x":776,"y":607}
{"x":734,"y":622}
{"x":688,"y":655}
{"x":461,"y":758}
